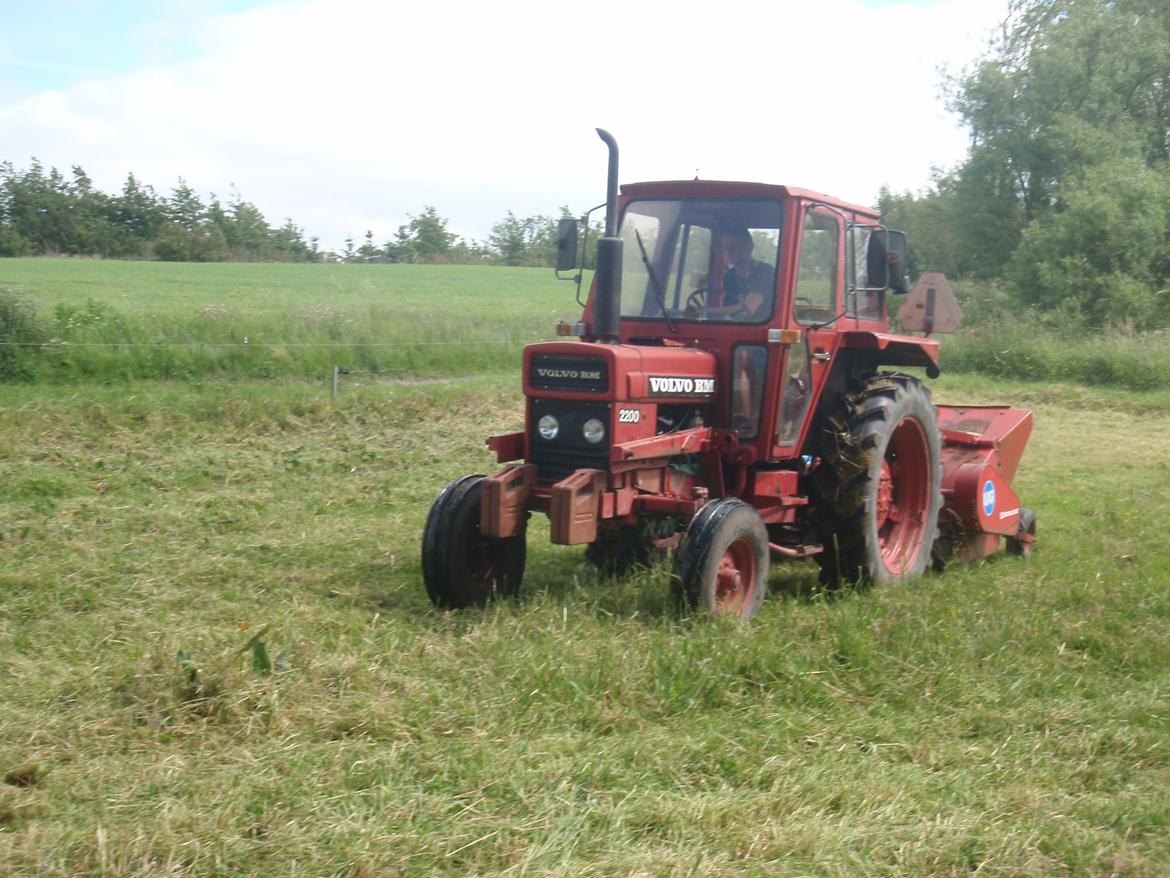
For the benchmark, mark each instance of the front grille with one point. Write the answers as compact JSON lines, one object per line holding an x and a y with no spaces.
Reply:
{"x":569,"y":451}
{"x":556,"y":372}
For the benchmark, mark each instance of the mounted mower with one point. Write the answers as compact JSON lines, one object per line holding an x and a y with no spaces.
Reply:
{"x":724,"y":397}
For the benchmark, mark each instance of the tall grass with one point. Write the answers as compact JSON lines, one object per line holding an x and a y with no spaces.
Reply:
{"x":117,"y":321}
{"x":998,"y":339}
{"x":1025,"y":349}
{"x":73,"y":320}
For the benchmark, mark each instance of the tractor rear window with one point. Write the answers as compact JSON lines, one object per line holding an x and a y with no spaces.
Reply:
{"x":704,"y":260}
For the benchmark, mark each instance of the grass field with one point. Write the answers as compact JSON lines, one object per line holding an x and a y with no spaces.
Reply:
{"x":1011,"y":718}
{"x":119,"y":322}
{"x":125,"y":321}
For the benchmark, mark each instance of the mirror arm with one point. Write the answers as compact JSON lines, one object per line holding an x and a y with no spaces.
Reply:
{"x":584,"y":249}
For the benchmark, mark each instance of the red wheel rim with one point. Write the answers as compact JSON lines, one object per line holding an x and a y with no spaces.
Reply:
{"x":903,"y":497}
{"x":735,"y":580}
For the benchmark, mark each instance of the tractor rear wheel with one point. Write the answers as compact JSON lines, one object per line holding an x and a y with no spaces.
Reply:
{"x":723,"y":559}
{"x":461,"y":567}
{"x":877,"y":487}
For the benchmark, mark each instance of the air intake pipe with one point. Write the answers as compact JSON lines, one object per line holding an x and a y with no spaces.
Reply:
{"x":607,"y":300}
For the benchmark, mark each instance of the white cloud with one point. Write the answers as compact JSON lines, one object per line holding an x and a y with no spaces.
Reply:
{"x":347,"y":115}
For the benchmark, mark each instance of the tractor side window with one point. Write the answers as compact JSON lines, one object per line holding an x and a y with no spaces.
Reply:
{"x":860,"y":302}
{"x":816,"y":282}
{"x":747,"y":388}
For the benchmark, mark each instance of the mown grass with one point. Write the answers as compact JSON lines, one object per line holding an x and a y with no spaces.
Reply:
{"x":1006,"y":719}
{"x":120,"y":322}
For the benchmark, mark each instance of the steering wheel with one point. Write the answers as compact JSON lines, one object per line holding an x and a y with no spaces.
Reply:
{"x":697,"y":300}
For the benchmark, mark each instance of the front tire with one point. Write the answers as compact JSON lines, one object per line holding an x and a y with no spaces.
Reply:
{"x":878,"y":486}
{"x":723,"y":559}
{"x":461,"y":567}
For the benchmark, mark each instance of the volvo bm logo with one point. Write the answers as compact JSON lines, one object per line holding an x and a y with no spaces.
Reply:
{"x":581,"y":374}
{"x":682,"y":386}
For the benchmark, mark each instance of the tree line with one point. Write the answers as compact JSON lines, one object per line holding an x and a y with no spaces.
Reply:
{"x":518,"y":241}
{"x":1064,"y":197}
{"x":46,"y":212}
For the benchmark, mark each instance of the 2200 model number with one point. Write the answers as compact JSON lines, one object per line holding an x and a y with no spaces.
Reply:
{"x":629,"y":416}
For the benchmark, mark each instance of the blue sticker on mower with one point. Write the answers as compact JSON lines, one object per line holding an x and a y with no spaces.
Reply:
{"x":988,"y":497}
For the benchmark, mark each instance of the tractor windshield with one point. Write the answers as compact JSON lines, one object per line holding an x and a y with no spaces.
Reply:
{"x":708,"y":260}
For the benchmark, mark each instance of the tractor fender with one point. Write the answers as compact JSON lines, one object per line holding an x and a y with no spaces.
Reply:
{"x":894,"y":350}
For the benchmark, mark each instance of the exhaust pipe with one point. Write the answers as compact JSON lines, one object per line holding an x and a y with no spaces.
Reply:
{"x":607,"y":301}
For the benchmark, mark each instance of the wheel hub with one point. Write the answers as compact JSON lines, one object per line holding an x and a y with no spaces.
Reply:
{"x":736,"y":576}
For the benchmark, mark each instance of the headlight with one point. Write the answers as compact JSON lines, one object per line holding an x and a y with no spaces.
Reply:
{"x":593,"y":431}
{"x":547,"y":427}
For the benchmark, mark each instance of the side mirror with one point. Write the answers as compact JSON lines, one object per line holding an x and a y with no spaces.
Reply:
{"x":885,"y":261}
{"x":566,"y":244}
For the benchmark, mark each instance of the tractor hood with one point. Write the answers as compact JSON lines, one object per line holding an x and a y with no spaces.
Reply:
{"x":618,"y":372}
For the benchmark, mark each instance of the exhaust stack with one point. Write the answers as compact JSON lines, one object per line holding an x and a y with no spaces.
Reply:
{"x":607,"y":301}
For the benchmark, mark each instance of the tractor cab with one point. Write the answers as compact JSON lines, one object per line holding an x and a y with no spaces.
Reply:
{"x":766,"y":278}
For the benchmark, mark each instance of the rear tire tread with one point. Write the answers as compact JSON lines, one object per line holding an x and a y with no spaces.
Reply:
{"x":842,"y":487}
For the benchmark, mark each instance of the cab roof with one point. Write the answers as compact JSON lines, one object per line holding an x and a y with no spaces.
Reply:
{"x":737,"y":189}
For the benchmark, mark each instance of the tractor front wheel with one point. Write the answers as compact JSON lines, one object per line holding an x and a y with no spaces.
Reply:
{"x":877,"y":488}
{"x":462,"y":567}
{"x":723,"y":559}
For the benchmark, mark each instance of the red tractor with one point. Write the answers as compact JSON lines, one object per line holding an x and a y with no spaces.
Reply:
{"x":728,"y":396}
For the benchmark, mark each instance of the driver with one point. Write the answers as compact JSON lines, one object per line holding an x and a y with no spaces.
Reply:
{"x":747,"y":282}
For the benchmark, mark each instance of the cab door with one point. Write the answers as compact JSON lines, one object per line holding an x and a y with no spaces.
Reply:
{"x":815,"y":308}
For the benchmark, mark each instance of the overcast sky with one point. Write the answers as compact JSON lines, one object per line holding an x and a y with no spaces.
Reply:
{"x":349,"y":115}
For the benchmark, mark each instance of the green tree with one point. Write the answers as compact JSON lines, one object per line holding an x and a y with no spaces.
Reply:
{"x":250,"y":235}
{"x":528,"y":241}
{"x":424,"y":238}
{"x":1070,"y":131}
{"x":184,"y":208}
{"x":510,"y":239}
{"x":930,"y":224}
{"x":368,"y":251}
{"x":137,"y":216}
{"x":1102,"y":256}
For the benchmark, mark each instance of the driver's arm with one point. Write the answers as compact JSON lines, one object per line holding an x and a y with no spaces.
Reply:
{"x":751,"y":305}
